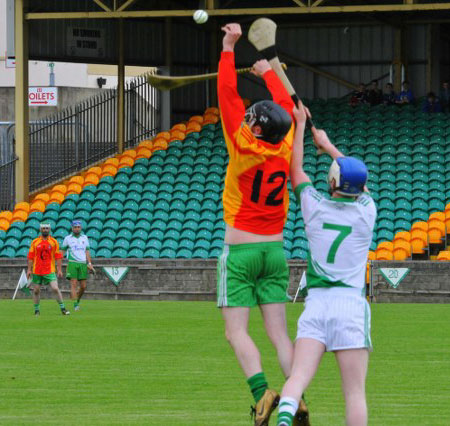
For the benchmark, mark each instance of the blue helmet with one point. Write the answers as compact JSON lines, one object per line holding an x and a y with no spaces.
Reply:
{"x":350,"y":175}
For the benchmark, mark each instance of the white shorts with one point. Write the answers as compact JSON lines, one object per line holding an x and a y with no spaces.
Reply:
{"x":339,"y":317}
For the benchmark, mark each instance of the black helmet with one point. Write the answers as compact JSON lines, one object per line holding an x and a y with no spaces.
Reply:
{"x":274,"y":120}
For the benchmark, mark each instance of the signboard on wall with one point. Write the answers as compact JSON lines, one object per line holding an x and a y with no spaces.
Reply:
{"x":43,"y":96}
{"x":10,"y":62}
{"x":85,"y":42}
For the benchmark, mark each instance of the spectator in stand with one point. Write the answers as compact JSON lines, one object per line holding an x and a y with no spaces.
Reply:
{"x":431,"y":104}
{"x":445,"y":96}
{"x":374,"y":95}
{"x":406,"y":95}
{"x":359,"y":96}
{"x":389,"y":94}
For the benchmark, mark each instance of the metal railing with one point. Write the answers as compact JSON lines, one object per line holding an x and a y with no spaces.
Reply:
{"x":7,"y":189}
{"x":84,"y":134}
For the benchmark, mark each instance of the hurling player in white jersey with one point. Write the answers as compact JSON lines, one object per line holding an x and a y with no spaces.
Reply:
{"x":336,"y":316}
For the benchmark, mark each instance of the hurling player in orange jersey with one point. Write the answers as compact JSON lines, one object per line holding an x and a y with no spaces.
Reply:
{"x":252,"y":270}
{"x":44,"y":253}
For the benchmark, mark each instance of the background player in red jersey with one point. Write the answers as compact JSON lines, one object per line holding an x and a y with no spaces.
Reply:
{"x":44,"y":253}
{"x":252,"y":270}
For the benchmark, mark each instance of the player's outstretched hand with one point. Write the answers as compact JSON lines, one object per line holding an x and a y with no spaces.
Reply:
{"x":321,"y":139}
{"x":232,"y":34}
{"x":301,"y":113}
{"x":59,"y":274}
{"x":261,"y":67}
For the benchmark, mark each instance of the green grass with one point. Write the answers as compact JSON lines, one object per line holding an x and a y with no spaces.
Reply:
{"x":167,"y":363}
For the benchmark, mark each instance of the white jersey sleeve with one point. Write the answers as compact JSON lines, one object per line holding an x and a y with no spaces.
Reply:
{"x":339,"y":233}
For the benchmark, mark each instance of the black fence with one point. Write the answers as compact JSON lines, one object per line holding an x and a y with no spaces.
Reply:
{"x":81,"y":135}
{"x":7,"y":186}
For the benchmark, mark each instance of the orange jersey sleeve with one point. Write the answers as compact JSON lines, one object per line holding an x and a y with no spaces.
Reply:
{"x":43,"y":252}
{"x":279,"y":93}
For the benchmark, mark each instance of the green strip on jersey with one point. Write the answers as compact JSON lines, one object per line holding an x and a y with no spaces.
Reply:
{"x":299,"y":188}
{"x":317,"y":277}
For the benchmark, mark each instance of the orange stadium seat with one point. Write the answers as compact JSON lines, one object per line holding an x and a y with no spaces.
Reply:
{"x":126,"y":161}
{"x":60,"y":188}
{"x":444,"y":256}
{"x":420,"y":225}
{"x":91,"y":179}
{"x":212,"y":110}
{"x":43,"y":196}
{"x":447,"y":208}
{"x":6,"y":215}
{"x":402,"y":250}
{"x":108,"y":170}
{"x":146,"y":144}
{"x":74,"y":188}
{"x":163,"y":135}
{"x":37,"y":206}
{"x":179,"y":126}
{"x":176,"y":135}
{"x":193,"y":126}
{"x":384,"y":254}
{"x":4,"y":224}
{"x":437,"y":215}
{"x":113,"y":161}
{"x":385,"y":245}
{"x":19,"y":215}
{"x":402,"y":235}
{"x":76,"y":179}
{"x":160,"y":144}
{"x":56,"y":197}
{"x":196,"y":118}
{"x":22,"y":206}
{"x":436,"y":233}
{"x":143,"y":152}
{"x":130,"y":153}
{"x":95,"y":170}
{"x":447,"y":221}
{"x":210,"y":119}
{"x":371,"y":255}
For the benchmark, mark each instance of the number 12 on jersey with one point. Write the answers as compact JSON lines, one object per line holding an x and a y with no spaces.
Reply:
{"x":271,"y":199}
{"x":343,"y":233}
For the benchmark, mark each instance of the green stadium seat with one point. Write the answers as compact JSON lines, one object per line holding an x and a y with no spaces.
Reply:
{"x":151,"y":253}
{"x":135,"y":253}
{"x":105,"y":243}
{"x":93,"y":234}
{"x":167,"y":253}
{"x":119,"y":253}
{"x":117,"y":196}
{"x":122,"y":243}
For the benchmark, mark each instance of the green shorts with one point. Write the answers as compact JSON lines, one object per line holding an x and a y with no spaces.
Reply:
{"x":77,"y":271}
{"x":44,"y":279}
{"x":252,"y":274}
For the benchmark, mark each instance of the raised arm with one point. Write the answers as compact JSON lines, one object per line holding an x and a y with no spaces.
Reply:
{"x":324,"y":144}
{"x":231,"y":106}
{"x":298,"y":175}
{"x":274,"y":85}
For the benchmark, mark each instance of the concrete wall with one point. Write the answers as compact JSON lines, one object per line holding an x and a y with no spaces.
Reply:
{"x":427,"y":282}
{"x":67,"y":96}
{"x":146,"y":279}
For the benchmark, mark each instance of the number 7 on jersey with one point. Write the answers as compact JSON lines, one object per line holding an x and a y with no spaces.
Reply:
{"x":343,"y":232}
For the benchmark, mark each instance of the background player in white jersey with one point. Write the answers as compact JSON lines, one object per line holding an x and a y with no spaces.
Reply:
{"x":77,"y":246}
{"x":336,"y":316}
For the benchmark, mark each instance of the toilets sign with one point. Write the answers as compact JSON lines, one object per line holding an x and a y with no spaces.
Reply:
{"x":43,"y":96}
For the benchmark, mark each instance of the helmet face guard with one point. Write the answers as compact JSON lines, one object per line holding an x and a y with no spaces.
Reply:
{"x":350,"y":175}
{"x":273,"y":120}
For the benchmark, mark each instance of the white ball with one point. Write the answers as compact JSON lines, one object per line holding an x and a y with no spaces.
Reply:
{"x":200,"y":16}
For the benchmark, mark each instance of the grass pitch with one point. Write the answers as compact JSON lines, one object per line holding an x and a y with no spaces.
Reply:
{"x":167,"y":363}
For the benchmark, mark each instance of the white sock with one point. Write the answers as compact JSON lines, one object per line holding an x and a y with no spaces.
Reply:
{"x":286,"y":410}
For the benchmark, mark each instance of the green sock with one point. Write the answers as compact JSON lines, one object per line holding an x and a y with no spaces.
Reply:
{"x":258,"y":385}
{"x":61,"y":305}
{"x":37,"y":306}
{"x":76,"y":303}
